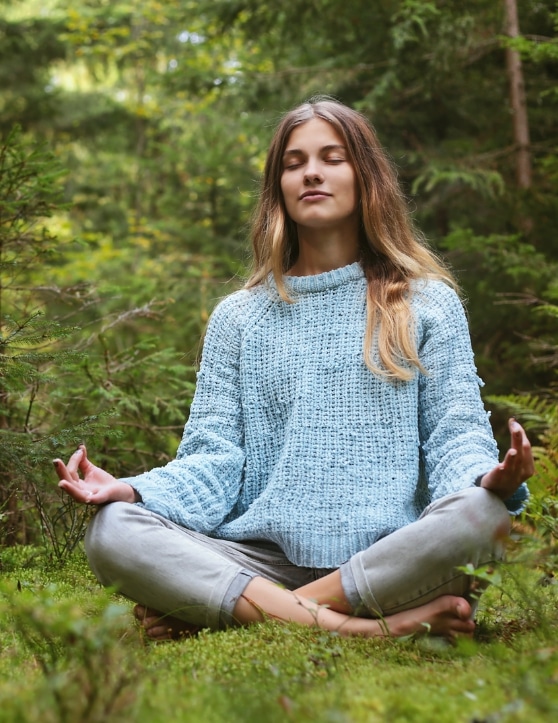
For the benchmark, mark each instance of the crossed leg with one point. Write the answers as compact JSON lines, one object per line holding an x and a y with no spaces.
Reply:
{"x":420,"y":592}
{"x":447,"y":615}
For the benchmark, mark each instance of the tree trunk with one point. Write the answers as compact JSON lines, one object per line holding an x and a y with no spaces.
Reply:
{"x":517,"y":100}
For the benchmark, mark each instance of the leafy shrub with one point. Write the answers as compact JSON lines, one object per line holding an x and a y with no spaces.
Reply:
{"x":86,"y":672}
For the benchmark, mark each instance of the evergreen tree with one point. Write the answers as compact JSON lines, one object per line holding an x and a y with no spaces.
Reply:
{"x":30,"y":357}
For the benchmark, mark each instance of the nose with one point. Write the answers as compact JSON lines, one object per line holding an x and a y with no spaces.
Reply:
{"x":312,"y":175}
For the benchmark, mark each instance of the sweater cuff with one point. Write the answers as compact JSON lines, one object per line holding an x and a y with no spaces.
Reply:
{"x":137,"y":496}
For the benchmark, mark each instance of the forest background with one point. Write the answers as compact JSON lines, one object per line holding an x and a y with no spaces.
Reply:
{"x":132,"y":139}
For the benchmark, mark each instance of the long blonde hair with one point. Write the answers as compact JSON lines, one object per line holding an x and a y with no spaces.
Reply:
{"x":392,"y":252}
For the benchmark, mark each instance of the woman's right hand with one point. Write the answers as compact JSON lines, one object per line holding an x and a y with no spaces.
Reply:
{"x":95,"y":486}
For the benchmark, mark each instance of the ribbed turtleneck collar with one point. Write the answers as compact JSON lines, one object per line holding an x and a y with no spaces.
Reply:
{"x":324,"y":281}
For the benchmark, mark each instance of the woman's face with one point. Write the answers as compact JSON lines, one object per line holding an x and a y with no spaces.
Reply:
{"x":318,"y":181}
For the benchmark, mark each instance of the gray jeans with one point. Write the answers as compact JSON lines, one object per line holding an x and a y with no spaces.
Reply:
{"x":199,"y":579}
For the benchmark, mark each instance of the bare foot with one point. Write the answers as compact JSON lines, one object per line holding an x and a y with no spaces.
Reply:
{"x":160,"y":627}
{"x":447,"y":616}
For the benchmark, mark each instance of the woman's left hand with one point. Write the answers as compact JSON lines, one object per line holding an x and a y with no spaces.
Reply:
{"x":517,"y":466}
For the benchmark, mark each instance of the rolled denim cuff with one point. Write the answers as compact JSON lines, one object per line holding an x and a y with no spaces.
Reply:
{"x":234,"y":591}
{"x":350,"y":588}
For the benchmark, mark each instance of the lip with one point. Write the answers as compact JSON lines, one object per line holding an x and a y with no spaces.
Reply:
{"x":314,"y":194}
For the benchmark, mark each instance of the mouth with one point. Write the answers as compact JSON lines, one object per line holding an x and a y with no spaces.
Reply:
{"x":314,"y":194}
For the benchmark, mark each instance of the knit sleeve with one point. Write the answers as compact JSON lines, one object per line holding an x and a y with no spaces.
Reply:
{"x":457,"y":443}
{"x":199,"y":488}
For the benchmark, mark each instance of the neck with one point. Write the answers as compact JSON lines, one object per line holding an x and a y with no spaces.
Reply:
{"x":320,"y":251}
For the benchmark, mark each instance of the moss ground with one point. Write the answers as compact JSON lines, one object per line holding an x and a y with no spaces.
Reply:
{"x":70,"y":652}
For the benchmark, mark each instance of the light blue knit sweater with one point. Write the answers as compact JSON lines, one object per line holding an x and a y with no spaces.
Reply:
{"x":292,"y":439}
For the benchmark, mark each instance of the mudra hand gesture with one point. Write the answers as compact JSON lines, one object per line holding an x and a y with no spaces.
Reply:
{"x":95,"y":486}
{"x":518,"y":465}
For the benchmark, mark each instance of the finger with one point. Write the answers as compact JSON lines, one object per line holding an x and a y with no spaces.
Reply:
{"x":527,"y":461}
{"x":78,"y":493}
{"x":512,"y":462}
{"x":521,"y":443}
{"x":85,"y":463}
{"x":82,"y":494}
{"x":97,"y":497}
{"x":518,"y":468}
{"x":62,"y":470}
{"x":518,"y":435}
{"x":74,"y":462}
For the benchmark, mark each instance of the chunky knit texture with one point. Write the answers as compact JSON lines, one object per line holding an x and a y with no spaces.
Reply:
{"x":292,"y":439}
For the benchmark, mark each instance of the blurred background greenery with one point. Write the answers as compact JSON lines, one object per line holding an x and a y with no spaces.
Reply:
{"x":133,"y":134}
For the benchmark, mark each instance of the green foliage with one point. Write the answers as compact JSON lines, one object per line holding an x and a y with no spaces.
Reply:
{"x":60,"y":386}
{"x":538,"y":49}
{"x":503,"y":275}
{"x":85,"y":672}
{"x":510,"y":258}
{"x":411,"y":22}
{"x":539,"y":414}
{"x":26,"y":94}
{"x":482,"y":181}
{"x":30,"y":192}
{"x":160,"y":113}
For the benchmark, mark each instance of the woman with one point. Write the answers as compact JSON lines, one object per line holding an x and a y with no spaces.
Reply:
{"x":338,"y":465}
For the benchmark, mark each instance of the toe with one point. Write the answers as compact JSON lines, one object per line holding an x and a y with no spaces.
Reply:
{"x":463,"y":610}
{"x":160,"y":632}
{"x":144,"y":614}
{"x":139,"y":612}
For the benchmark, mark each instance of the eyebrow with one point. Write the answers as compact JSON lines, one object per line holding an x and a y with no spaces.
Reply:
{"x":299,"y":151}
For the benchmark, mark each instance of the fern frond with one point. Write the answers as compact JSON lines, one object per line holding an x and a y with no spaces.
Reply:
{"x":536,"y":413}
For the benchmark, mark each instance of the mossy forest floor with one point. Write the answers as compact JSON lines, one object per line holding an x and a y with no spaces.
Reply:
{"x":71,"y":652}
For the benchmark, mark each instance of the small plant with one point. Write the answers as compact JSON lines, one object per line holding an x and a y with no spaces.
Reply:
{"x":86,"y":671}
